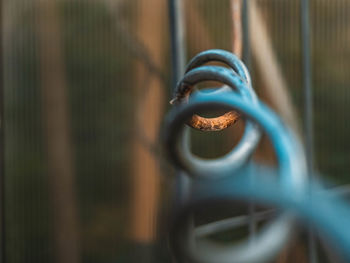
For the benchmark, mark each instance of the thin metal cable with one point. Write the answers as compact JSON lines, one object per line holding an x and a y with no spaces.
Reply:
{"x":178,"y":56}
{"x":246,"y":56}
{"x":307,"y":82}
{"x":177,"y":31}
{"x":2,"y":153}
{"x":270,"y":241}
{"x":308,"y":107}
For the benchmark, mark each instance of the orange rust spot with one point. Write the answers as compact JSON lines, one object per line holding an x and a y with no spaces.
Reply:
{"x":201,"y":123}
{"x":213,"y":124}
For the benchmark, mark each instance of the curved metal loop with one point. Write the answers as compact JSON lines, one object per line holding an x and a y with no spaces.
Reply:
{"x":292,"y":171}
{"x":251,"y":182}
{"x":216,"y":73}
{"x":223,"y":56}
{"x":328,"y":214}
{"x":183,"y":89}
{"x":212,"y":168}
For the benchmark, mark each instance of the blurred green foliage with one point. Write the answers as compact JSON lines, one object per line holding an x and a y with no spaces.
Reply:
{"x":98,"y":71}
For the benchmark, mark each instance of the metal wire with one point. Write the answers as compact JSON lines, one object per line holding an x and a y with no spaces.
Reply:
{"x":270,"y":241}
{"x":308,"y":107}
{"x":246,"y":39}
{"x":2,"y":154}
{"x":238,"y":79}
{"x":243,"y":180}
{"x":177,"y":31}
{"x":178,"y":55}
{"x":277,"y":234}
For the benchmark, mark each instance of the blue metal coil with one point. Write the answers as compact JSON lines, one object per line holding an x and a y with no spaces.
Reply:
{"x":228,"y":180}
{"x":237,"y":79}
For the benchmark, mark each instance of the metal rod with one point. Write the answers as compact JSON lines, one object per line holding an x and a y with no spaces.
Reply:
{"x":307,"y":83}
{"x":178,"y":51}
{"x":246,"y":39}
{"x":178,"y":56}
{"x":308,"y":106}
{"x":229,"y":223}
{"x":234,"y":222}
{"x":247,"y":60}
{"x":236,"y":13}
{"x":2,"y":153}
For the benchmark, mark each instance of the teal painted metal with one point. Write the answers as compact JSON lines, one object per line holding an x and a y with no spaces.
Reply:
{"x":297,"y":198}
{"x":238,"y":79}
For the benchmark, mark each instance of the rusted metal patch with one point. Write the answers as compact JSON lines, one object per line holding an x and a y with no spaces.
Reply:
{"x":213,"y":124}
{"x":202,"y":123}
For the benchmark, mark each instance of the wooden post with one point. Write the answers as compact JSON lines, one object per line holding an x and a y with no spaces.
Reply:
{"x":55,"y":111}
{"x":151,"y":28}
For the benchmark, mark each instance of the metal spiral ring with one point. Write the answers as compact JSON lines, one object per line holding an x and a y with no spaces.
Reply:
{"x":213,"y":168}
{"x":292,"y":177}
{"x":184,"y":89}
{"x":325,"y":210}
{"x":241,"y":180}
{"x":223,"y":56}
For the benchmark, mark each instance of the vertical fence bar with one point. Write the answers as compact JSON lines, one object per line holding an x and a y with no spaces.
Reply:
{"x":178,"y":56}
{"x":2,"y":149}
{"x":308,"y":106}
{"x":236,"y":13}
{"x":177,"y":38}
{"x":307,"y":82}
{"x":246,"y":56}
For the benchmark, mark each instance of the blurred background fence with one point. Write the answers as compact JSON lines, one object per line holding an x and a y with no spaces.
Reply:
{"x":86,"y":84}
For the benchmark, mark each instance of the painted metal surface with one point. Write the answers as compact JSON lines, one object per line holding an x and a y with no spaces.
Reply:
{"x":237,"y":78}
{"x":229,"y":182}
